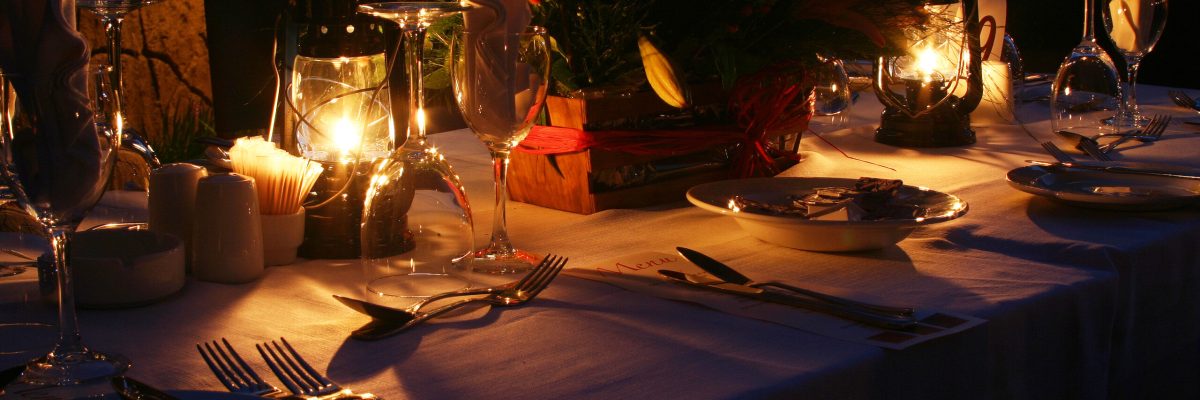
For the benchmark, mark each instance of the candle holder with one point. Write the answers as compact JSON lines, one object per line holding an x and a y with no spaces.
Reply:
{"x":929,"y":93}
{"x":339,"y":100}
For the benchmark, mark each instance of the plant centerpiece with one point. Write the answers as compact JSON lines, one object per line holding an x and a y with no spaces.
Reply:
{"x":651,"y":97}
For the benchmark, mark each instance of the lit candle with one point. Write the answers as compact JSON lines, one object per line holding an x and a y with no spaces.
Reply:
{"x":996,"y":106}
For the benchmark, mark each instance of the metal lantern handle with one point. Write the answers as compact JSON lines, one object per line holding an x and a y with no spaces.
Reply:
{"x":974,"y":93}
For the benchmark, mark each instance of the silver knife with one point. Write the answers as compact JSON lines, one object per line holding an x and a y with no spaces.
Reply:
{"x":10,"y":375}
{"x":1169,"y":171}
{"x":132,"y":389}
{"x":853,"y":314}
{"x":728,"y":274}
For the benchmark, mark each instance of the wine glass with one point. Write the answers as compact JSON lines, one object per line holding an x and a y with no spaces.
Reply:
{"x":417,"y":232}
{"x":1134,"y":27}
{"x":8,"y":104}
{"x":831,"y":93}
{"x":1087,"y":89}
{"x":58,"y":184}
{"x":112,"y":13}
{"x":500,"y":81}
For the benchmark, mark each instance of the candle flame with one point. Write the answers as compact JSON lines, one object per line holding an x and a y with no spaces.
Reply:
{"x":927,"y":63}
{"x":346,"y":136}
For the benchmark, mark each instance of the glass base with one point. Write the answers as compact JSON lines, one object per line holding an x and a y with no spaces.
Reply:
{"x":1127,"y":121}
{"x":73,"y":368}
{"x":403,"y":290}
{"x":488,"y":261}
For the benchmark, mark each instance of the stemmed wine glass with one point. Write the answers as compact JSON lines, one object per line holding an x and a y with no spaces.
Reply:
{"x":58,"y":182}
{"x":500,"y":82}
{"x":1087,"y":89}
{"x":112,"y":13}
{"x":416,"y":191}
{"x":8,"y":104}
{"x":1134,"y":27}
{"x":832,"y":97}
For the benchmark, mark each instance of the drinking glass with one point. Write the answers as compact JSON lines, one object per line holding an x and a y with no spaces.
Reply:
{"x":832,"y":98}
{"x":1134,"y":27}
{"x":417,"y":232}
{"x":112,"y":13}
{"x":500,"y":81}
{"x":8,"y":106}
{"x":1087,"y":89}
{"x":58,"y":184}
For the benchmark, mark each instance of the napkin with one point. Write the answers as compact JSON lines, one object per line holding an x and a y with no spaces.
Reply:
{"x":46,"y":60}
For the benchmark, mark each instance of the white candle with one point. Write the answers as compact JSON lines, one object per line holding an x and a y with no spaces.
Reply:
{"x":996,"y":106}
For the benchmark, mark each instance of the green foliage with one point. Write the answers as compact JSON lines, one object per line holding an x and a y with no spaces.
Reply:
{"x":182,"y":123}
{"x":713,"y":39}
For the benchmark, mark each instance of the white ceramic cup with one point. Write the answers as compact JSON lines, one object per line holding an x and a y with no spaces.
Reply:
{"x":282,"y":235}
{"x":172,"y":201}
{"x":227,"y":237}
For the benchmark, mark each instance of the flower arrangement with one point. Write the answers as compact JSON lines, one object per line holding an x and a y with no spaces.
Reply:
{"x":602,"y":42}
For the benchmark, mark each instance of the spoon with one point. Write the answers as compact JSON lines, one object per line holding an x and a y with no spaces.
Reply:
{"x":394,"y":316}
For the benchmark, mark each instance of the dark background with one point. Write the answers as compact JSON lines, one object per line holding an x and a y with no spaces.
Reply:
{"x":1046,"y":30}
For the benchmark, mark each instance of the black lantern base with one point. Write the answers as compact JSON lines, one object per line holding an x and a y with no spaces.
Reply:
{"x":332,"y":230}
{"x":942,"y":127}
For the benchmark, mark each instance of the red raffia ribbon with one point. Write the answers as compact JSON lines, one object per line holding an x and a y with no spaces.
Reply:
{"x":547,"y":140}
{"x":776,"y":100}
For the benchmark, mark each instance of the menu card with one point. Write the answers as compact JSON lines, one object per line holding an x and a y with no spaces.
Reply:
{"x":639,"y":273}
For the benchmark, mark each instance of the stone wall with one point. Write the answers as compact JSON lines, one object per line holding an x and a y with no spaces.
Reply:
{"x":165,"y":59}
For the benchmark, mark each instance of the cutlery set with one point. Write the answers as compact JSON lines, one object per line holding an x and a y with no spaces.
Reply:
{"x":388,"y":321}
{"x":732,"y":282}
{"x":1091,"y":144}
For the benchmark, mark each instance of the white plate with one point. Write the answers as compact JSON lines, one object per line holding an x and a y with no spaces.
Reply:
{"x":821,"y":235}
{"x":1105,"y":190}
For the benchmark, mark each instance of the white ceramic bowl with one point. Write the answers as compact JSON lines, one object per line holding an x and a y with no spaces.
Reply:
{"x":821,"y":235}
{"x":125,"y":268}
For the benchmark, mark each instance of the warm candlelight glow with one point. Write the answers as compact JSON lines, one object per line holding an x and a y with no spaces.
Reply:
{"x":346,"y":136}
{"x":927,"y":63}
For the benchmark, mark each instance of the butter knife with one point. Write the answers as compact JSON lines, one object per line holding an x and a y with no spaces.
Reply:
{"x":728,"y":274}
{"x":853,"y":314}
{"x":10,"y":375}
{"x":1169,"y":171}
{"x":132,"y":389}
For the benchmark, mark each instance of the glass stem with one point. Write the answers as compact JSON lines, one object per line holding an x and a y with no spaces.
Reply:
{"x":1089,"y":24}
{"x":112,"y":28}
{"x":1129,"y":106}
{"x":69,"y":341}
{"x":413,"y":38}
{"x":500,"y":245}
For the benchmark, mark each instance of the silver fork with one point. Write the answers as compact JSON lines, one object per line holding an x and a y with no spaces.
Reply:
{"x":299,"y":377}
{"x":1057,"y":153}
{"x":1182,"y":99}
{"x":510,"y":296}
{"x":233,"y":372}
{"x":1152,"y":132}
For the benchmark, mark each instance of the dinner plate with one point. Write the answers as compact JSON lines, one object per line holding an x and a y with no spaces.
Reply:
{"x":1105,"y":190}
{"x":822,"y":235}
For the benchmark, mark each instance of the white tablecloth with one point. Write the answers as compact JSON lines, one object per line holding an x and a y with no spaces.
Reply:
{"x":1079,"y":303}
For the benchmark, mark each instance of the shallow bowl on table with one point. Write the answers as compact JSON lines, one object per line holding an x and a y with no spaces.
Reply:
{"x":821,"y":235}
{"x":116,"y":268}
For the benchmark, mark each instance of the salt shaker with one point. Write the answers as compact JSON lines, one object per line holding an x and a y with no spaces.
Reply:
{"x":172,"y":201}
{"x":227,"y":234}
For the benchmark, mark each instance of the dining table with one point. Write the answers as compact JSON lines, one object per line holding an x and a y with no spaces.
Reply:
{"x":1075,"y":302}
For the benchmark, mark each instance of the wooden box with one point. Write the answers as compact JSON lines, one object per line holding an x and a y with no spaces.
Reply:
{"x":565,"y":183}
